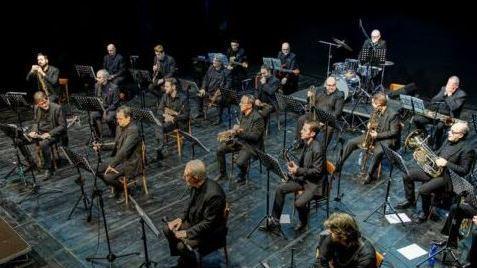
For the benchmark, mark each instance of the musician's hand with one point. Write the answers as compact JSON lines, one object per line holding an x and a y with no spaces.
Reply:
{"x":175,"y":224}
{"x":96,"y":146}
{"x":244,"y":65}
{"x":230,"y":67}
{"x":45,"y":136}
{"x":180,"y":234}
{"x":296,"y":72}
{"x":154,"y":67}
{"x":263,"y":80}
{"x":111,"y":169}
{"x":441,"y":162}
{"x":34,"y":68}
{"x":292,"y":167}
{"x":258,"y":102}
{"x":373,"y":133}
{"x":474,"y":219}
{"x":284,"y":80}
{"x":310,"y":93}
{"x":104,"y":116}
{"x":160,"y":81}
{"x":239,"y":130}
{"x":201,"y":92}
{"x":32,"y":134}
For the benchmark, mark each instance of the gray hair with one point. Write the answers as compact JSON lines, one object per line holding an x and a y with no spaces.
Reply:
{"x":125,"y":110}
{"x":455,"y":79}
{"x":103,"y":72}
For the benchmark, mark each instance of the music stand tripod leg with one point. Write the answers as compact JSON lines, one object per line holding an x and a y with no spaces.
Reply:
{"x":81,"y":197}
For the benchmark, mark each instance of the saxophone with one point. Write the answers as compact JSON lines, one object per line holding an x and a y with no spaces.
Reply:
{"x":42,"y":82}
{"x":368,"y":141}
{"x":424,"y":156}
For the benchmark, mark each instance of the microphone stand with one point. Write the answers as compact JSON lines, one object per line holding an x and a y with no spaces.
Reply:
{"x":328,"y":72}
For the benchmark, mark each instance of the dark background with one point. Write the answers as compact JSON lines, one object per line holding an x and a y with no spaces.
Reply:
{"x":428,"y":43}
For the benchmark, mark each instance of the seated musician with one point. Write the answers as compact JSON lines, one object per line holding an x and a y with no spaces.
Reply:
{"x":113,"y":62}
{"x":342,"y":245}
{"x":108,"y":93}
{"x":306,"y":176}
{"x":164,"y":67}
{"x":376,"y":41}
{"x":49,"y":128}
{"x":289,"y":80}
{"x":216,"y":79}
{"x":455,"y":154}
{"x":173,"y":112}
{"x":325,"y":98}
{"x":203,"y":225}
{"x":456,"y":215}
{"x":45,"y":76}
{"x":126,"y":154}
{"x":243,"y":138}
{"x":237,"y":64}
{"x":384,"y":127}
{"x":265,"y":98}
{"x":449,"y":101}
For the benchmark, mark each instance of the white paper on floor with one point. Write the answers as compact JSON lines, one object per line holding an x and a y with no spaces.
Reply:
{"x":412,"y":251}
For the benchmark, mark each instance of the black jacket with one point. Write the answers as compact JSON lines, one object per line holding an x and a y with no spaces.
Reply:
{"x":288,"y":62}
{"x":459,"y":155}
{"x":205,"y":212}
{"x":115,"y":65}
{"x":266,"y":92}
{"x":216,"y":79}
{"x":167,"y":67}
{"x":332,"y":103}
{"x":51,"y":121}
{"x":452,"y":105}
{"x":127,"y":149}
{"x":51,"y":80}
{"x":109,"y":95}
{"x":178,"y":104}
{"x":311,"y":163}
{"x":254,"y":127}
{"x":389,"y":126}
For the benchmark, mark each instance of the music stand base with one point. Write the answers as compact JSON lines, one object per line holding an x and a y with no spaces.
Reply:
{"x":86,"y":202}
{"x":446,"y":250}
{"x":35,"y":192}
{"x":147,"y":265}
{"x":383,"y":206}
{"x":268,"y":219}
{"x":110,"y":257}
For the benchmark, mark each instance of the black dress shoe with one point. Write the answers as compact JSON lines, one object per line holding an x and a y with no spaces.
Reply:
{"x":405,"y":204}
{"x":422,"y":217}
{"x":301,"y":227}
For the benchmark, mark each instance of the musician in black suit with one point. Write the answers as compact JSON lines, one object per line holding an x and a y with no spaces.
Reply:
{"x":376,"y":41}
{"x":202,"y":227}
{"x":173,"y":112}
{"x":307,"y":176}
{"x":126,"y":154}
{"x":456,"y":215}
{"x":386,"y":131}
{"x":267,"y":86}
{"x":107,"y":91}
{"x":164,"y":67}
{"x":49,"y":127}
{"x":455,"y":154}
{"x":48,"y":74}
{"x":114,"y":63}
{"x":248,"y":135}
{"x":326,"y":98}
{"x":449,"y":101}
{"x":238,"y":64}
{"x":289,"y":80}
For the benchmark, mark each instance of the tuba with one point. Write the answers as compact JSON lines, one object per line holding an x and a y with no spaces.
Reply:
{"x":424,"y":156}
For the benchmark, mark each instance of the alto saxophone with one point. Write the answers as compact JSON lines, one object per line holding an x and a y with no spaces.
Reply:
{"x":42,"y":82}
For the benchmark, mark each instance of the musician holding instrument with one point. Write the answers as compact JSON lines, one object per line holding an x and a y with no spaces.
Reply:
{"x":202,"y":227}
{"x":449,"y":102}
{"x":216,"y":79}
{"x":267,"y":86}
{"x":305,"y":175}
{"x":126,"y":153}
{"x":326,"y":98}
{"x":48,"y":129}
{"x":289,"y":76}
{"x":242,"y":138}
{"x":164,"y":67}
{"x":384,"y":127}
{"x":45,"y":76}
{"x":114,"y":63}
{"x":107,"y":91}
{"x":456,"y":154}
{"x":238,"y":64}
{"x":173,"y":112}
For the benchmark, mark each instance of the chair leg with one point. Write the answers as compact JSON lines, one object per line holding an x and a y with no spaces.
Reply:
{"x":179,"y":143}
{"x":144,"y":183}
{"x":125,"y":186}
{"x":226,"y":255}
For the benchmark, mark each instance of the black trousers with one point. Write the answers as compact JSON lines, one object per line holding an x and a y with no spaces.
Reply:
{"x":112,"y":179}
{"x":109,"y":118}
{"x":472,"y":256}
{"x":177,"y":247}
{"x":309,"y":191}
{"x":456,"y":215}
{"x":378,"y":153}
{"x":242,"y":160}
{"x":430,"y":185}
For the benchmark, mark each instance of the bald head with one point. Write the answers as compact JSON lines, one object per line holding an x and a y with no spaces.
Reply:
{"x":375,"y":35}
{"x":330,"y":85}
{"x":452,"y":85}
{"x":286,"y":48}
{"x":111,"y":49}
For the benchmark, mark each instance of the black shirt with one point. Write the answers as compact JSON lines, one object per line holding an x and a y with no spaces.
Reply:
{"x":109,"y":95}
{"x":216,"y":79}
{"x":253,"y":128}
{"x":459,"y":156}
{"x":115,"y":65}
{"x":311,"y":162}
{"x":331,"y":103}
{"x":178,"y":103}
{"x":266,"y":92}
{"x":452,"y":105}
{"x":51,"y":121}
{"x":167,"y":67}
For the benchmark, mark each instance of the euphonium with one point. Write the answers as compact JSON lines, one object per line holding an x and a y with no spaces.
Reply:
{"x":424,"y":156}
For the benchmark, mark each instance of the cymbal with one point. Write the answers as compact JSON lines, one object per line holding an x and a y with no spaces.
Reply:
{"x":342,"y":44}
{"x":388,"y":63}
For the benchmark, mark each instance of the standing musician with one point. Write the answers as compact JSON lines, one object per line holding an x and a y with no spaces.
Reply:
{"x":237,"y":64}
{"x":126,"y":154}
{"x":456,"y":154}
{"x":109,"y":95}
{"x":48,"y":129}
{"x":449,"y":101}
{"x":374,"y":46}
{"x":242,"y":138}
{"x":164,"y":67}
{"x":45,"y":76}
{"x":376,"y":41}
{"x":307,"y":176}
{"x":114,"y":63}
{"x":325,"y":98}
{"x":216,"y":79}
{"x":341,"y":245}
{"x":288,"y":78}
{"x":384,"y":127}
{"x":202,"y":227}
{"x":267,"y":86}
{"x":173,"y":112}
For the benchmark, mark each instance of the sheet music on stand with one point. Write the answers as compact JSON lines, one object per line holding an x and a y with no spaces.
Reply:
{"x":325,"y":117}
{"x":290,"y":104}
{"x":85,"y":72}
{"x":395,"y":159}
{"x":16,"y":99}
{"x":76,"y":159}
{"x":193,"y":140}
{"x":88,"y":104}
{"x":145,"y":217}
{"x":14,"y":132}
{"x":406,"y":101}
{"x":141,"y":76}
{"x":271,"y":164}
{"x":418,"y":105}
{"x":375,"y":57}
{"x":144,"y":115}
{"x":462,"y":187}
{"x":4,"y":100}
{"x":273,"y":63}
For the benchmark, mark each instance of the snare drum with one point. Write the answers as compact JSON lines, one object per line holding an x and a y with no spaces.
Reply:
{"x":368,"y":71}
{"x":352,"y":64}
{"x":339,"y":68}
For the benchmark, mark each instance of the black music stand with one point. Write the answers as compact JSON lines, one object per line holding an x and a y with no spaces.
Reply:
{"x":194,"y":141}
{"x":288,"y":104}
{"x":78,"y":161}
{"x":89,"y":104}
{"x":85,"y":72}
{"x":147,"y":116}
{"x":395,"y":160}
{"x":271,"y":164}
{"x":145,"y":220}
{"x":231,"y":98}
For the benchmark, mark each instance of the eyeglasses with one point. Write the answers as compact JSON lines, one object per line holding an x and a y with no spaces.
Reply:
{"x":455,"y":132}
{"x":330,"y":85}
{"x":41,"y":102}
